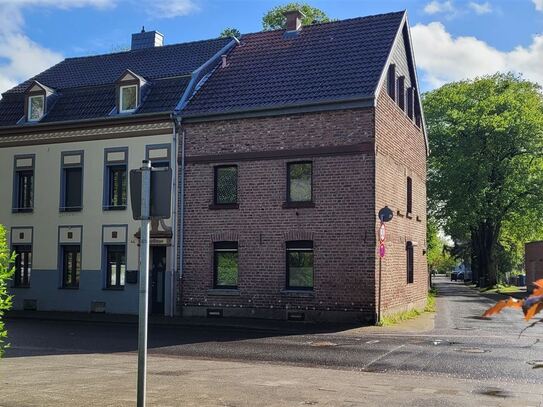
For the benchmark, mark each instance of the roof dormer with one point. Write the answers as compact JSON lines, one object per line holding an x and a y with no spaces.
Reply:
{"x":37,"y":98}
{"x":128,"y":92}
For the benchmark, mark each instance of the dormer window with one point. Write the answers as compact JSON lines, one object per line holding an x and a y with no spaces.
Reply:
{"x":129,"y":90}
{"x":128,"y":98}
{"x":36,"y":107}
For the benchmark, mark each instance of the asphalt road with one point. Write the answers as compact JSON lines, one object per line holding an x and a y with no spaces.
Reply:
{"x":461,"y":345}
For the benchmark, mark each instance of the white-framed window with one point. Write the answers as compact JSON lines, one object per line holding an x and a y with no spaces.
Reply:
{"x":36,"y":107}
{"x":128,"y":96}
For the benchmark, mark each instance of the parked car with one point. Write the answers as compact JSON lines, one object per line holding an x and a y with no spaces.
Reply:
{"x":454,"y":276}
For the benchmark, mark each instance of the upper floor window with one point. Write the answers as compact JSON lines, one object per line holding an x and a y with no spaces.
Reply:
{"x":409,"y":187}
{"x":300,"y":265}
{"x":391,"y":81}
{"x":71,"y":194}
{"x":159,"y":155}
{"x":23,"y":184}
{"x":23,"y":265}
{"x":225,"y":265}
{"x":128,"y":98}
{"x":299,"y":182}
{"x":36,"y":108}
{"x":401,"y":92}
{"x":226,"y":185}
{"x":115,"y":178}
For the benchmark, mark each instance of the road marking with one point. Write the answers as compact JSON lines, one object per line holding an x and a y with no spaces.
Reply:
{"x":372,"y":341}
{"x":383,"y":356}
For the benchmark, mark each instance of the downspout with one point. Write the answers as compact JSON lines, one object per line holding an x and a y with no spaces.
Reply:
{"x":173,"y":275}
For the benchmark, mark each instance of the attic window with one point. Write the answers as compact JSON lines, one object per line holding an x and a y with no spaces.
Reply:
{"x":391,"y":81}
{"x":36,"y":107}
{"x":128,"y":98}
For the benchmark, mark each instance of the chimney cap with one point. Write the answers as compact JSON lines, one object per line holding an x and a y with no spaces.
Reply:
{"x":294,"y":19}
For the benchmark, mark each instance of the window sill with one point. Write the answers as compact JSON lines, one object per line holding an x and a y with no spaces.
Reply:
{"x":114,"y":208}
{"x":298,"y":293}
{"x":223,"y":206}
{"x":22,"y":210}
{"x":419,"y":219}
{"x":68,"y":288}
{"x":20,"y":286}
{"x":223,"y":291}
{"x":113,"y":288}
{"x":71,"y":209}
{"x":409,"y":215}
{"x":294,"y":205}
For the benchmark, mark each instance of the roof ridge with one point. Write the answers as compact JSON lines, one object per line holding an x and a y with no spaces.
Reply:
{"x":333,"y":22}
{"x":141,"y":49}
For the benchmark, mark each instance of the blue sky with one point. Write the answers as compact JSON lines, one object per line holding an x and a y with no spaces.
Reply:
{"x":453,"y":39}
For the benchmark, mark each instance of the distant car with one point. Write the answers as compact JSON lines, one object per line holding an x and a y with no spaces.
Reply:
{"x":454,"y":276}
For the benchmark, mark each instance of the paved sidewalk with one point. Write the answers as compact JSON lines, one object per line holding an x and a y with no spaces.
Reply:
{"x":109,"y":380}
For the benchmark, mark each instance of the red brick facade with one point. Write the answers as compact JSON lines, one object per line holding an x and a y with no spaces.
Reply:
{"x":341,"y":145}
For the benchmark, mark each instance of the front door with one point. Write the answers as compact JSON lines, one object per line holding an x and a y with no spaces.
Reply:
{"x":158,"y":270}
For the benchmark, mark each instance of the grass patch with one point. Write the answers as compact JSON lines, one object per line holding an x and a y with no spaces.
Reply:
{"x":394,"y":319}
{"x":501,"y":289}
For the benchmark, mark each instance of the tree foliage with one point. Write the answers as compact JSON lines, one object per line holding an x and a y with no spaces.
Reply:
{"x":486,"y":168}
{"x":275,"y":18}
{"x":6,"y":270}
{"x":230,"y":32}
{"x":439,"y":258}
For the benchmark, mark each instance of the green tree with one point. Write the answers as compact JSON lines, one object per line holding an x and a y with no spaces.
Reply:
{"x":275,"y":18}
{"x":438,"y":254}
{"x":230,"y":32}
{"x":486,"y":166}
{"x":6,"y":270}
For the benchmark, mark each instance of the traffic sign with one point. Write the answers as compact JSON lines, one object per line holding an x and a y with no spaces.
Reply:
{"x":382,"y":232}
{"x":381,"y":250}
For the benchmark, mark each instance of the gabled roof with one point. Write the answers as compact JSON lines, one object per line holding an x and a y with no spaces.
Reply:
{"x":328,"y":62}
{"x":85,"y":87}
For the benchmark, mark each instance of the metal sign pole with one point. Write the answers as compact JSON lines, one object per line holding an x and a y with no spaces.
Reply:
{"x":143,"y":280}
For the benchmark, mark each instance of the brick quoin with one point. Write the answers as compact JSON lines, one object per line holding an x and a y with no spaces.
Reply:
{"x":342,"y":224}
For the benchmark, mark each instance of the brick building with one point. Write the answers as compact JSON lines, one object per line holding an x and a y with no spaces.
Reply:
{"x":333,"y":110}
{"x":285,"y":145}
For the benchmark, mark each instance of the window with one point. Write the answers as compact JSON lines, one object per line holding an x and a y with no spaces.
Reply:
{"x":410,"y":262}
{"x":128,"y":98}
{"x":36,"y":107}
{"x":71,"y":265}
{"x":24,"y":191}
{"x":410,"y":101}
{"x":401,"y":92}
{"x":409,"y":191}
{"x":159,"y":155}
{"x":299,"y":180}
{"x":226,"y":185}
{"x":115,"y":266}
{"x":23,"y":265}
{"x":391,"y":81}
{"x":71,"y":198}
{"x":225,"y":264}
{"x":116,"y":187}
{"x":300,"y":265}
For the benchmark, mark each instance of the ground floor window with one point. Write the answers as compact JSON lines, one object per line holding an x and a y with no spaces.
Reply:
{"x":300,"y":265}
{"x":225,"y":259}
{"x":71,"y":266}
{"x":410,"y":262}
{"x":23,"y":265}
{"x":115,"y":266}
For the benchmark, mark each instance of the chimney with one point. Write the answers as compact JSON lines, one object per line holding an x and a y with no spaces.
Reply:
{"x":147,"y":39}
{"x":294,"y":20}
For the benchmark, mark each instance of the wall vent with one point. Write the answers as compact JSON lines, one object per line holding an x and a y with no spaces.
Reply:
{"x":98,"y":307}
{"x":30,"y":305}
{"x":214,"y":313}
{"x":296,"y":316}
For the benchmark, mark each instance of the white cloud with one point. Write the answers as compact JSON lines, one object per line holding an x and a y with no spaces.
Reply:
{"x":443,"y":58}
{"x":435,"y":7}
{"x":538,"y":5}
{"x":22,"y":57}
{"x":481,"y":8}
{"x":172,"y":8}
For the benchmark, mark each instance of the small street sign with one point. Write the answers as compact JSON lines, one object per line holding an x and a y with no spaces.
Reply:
{"x":382,"y":233}
{"x":381,"y":250}
{"x":385,"y":214}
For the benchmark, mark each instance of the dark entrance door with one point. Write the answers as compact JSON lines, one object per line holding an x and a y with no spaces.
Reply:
{"x":158,"y":270}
